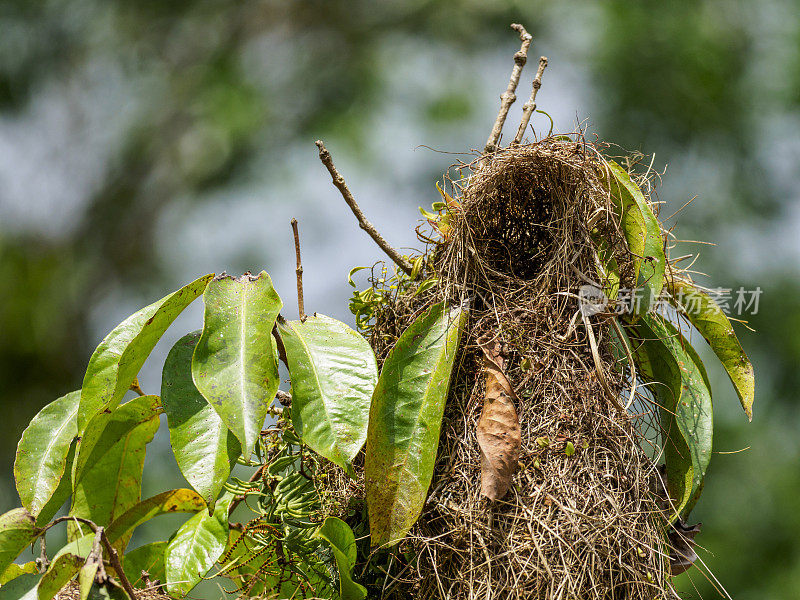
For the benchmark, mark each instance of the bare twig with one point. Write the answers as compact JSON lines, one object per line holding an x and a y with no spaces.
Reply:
{"x":299,"y":272}
{"x":340,"y":184}
{"x":530,"y":105}
{"x":113,"y":557}
{"x":507,"y":98}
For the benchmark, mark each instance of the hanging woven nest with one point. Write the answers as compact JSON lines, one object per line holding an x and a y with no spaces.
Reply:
{"x":552,"y":495}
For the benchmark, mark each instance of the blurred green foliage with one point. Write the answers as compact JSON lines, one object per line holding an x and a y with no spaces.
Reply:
{"x":193,"y":99}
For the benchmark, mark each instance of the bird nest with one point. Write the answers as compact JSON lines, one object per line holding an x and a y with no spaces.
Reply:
{"x":582,"y":518}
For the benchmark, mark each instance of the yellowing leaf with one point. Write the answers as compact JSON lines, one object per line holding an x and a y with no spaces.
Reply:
{"x":405,"y":421}
{"x":707,"y":317}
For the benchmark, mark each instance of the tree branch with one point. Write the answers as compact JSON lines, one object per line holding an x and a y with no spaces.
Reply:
{"x":299,"y":272}
{"x":113,"y":557}
{"x":507,"y":98}
{"x":340,"y":184}
{"x":530,"y":105}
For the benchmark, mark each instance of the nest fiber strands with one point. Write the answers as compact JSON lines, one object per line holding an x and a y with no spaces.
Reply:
{"x":581,"y":519}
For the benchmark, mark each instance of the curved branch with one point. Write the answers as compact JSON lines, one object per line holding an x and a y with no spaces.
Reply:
{"x":340,"y":184}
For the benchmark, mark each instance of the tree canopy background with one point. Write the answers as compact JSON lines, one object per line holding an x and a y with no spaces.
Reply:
{"x":145,"y":142}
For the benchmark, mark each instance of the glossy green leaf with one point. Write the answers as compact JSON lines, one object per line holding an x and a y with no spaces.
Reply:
{"x":150,"y":558}
{"x":119,"y":357}
{"x":61,"y":570}
{"x":204,"y":447}
{"x":333,"y":372}
{"x":405,"y":421}
{"x":707,"y":317}
{"x":235,"y":365}
{"x":642,"y":233}
{"x":17,"y":530}
{"x":607,"y":268}
{"x":14,"y":570}
{"x":685,"y":408}
{"x":343,"y":544}
{"x":112,"y":484}
{"x":171,"y":502}
{"x":21,"y":588}
{"x":196,"y":547}
{"x":108,"y":427}
{"x":42,"y":451}
{"x":61,"y":493}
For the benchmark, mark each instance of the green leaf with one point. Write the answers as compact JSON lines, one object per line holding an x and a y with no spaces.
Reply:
{"x":619,"y":346}
{"x":405,"y":421}
{"x":707,"y":317}
{"x":343,"y":544}
{"x":333,"y":372}
{"x":607,"y":268}
{"x":21,"y":588}
{"x":235,"y":365}
{"x":204,"y":447}
{"x":112,"y":484}
{"x":17,"y":530}
{"x":62,"y":492}
{"x":61,"y":570}
{"x":108,"y":427}
{"x":685,"y":408}
{"x":81,"y":546}
{"x":150,"y":558}
{"x":119,"y":357}
{"x":86,"y":578}
{"x":196,"y":547}
{"x":42,"y":451}
{"x":14,"y":570}
{"x":641,"y":230}
{"x":171,"y":502}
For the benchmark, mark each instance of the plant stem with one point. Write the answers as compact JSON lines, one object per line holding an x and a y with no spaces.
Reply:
{"x":507,"y":98}
{"x":530,"y":105}
{"x":299,"y":272}
{"x":340,"y":184}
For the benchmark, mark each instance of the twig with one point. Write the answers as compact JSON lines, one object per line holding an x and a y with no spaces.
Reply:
{"x":530,"y":105}
{"x":44,"y":562}
{"x":299,"y":272}
{"x":507,"y":98}
{"x":340,"y":184}
{"x":113,"y":557}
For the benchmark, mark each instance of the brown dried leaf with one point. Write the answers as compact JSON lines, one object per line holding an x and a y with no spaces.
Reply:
{"x":498,"y":432}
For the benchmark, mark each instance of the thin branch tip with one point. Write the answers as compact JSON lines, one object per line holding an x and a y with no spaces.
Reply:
{"x":523,"y":33}
{"x":508,"y":97}
{"x":298,"y":272}
{"x":530,"y":106}
{"x":347,"y":195}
